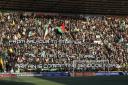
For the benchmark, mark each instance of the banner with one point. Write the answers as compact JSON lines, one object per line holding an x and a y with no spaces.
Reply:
{"x":7,"y":75}
{"x":45,"y":74}
{"x":89,"y":74}
{"x":107,"y":74}
{"x":82,"y":74}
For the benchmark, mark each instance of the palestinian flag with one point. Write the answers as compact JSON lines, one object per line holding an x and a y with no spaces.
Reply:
{"x":60,"y":30}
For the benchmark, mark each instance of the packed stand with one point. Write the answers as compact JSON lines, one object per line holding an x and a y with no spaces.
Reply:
{"x":101,"y":37}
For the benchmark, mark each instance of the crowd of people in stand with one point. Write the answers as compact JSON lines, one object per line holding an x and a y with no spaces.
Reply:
{"x":91,"y":38}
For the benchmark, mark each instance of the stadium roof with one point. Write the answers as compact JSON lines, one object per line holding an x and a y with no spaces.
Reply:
{"x":114,"y":7}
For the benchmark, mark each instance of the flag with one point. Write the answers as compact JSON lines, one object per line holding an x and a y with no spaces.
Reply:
{"x":13,"y":23}
{"x":47,"y":28}
{"x":1,"y":62}
{"x":11,"y":50}
{"x":61,"y":29}
{"x":46,"y":31}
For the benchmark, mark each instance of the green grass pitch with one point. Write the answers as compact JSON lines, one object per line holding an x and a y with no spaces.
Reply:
{"x":104,"y":80}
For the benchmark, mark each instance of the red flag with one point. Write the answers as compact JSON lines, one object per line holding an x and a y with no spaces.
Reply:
{"x":63,"y":27}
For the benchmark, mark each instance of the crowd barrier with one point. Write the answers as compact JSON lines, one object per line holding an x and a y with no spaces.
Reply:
{"x":45,"y":74}
{"x":107,"y":74}
{"x":82,"y":74}
{"x":62,"y":74}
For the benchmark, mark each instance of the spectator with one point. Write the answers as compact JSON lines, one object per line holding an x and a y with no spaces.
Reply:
{"x":104,"y":37}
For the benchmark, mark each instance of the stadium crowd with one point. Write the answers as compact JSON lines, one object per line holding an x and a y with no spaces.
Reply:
{"x":98,"y":38}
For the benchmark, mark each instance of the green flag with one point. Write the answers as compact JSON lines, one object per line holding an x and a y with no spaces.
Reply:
{"x":47,"y":30}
